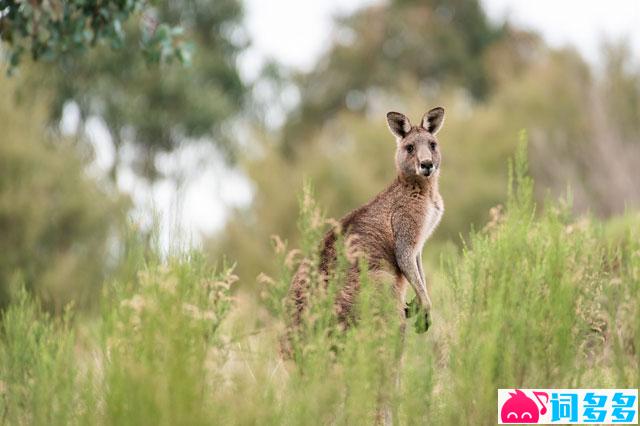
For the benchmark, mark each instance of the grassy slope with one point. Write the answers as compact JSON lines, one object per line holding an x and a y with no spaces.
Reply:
{"x":535,"y":300}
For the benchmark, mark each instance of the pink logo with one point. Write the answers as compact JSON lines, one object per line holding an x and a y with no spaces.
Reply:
{"x":519,"y":408}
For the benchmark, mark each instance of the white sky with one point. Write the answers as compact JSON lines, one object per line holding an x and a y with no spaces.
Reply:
{"x":582,"y":23}
{"x":295,"y":33}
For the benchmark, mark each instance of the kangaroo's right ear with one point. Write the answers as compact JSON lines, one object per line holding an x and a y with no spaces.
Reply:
{"x":399,"y":124}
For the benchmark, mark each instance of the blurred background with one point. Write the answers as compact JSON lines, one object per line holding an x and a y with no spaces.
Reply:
{"x":211,"y":150}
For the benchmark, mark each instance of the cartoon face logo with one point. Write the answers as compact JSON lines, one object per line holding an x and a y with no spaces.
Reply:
{"x":519,"y":408}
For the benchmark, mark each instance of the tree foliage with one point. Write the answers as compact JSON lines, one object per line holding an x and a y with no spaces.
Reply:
{"x":379,"y":48}
{"x":54,"y":28}
{"x":55,"y":222}
{"x":155,"y":109}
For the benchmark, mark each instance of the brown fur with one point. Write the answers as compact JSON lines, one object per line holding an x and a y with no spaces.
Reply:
{"x":390,"y":230}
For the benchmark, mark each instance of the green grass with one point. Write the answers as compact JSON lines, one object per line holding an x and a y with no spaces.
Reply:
{"x":538,"y":298}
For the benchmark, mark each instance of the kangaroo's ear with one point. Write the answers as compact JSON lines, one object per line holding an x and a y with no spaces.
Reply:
{"x":399,"y":124}
{"x":433,"y":120}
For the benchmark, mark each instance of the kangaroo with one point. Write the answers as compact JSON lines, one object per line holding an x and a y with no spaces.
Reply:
{"x":391,"y":229}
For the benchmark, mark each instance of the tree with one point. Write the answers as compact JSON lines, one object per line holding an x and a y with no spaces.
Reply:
{"x":156,"y":109}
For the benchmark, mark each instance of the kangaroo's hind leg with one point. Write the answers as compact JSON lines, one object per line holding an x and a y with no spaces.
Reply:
{"x":387,"y":410}
{"x":346,"y":296}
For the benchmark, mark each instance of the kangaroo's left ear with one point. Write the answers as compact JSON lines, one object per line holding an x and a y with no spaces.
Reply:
{"x":433,"y":120}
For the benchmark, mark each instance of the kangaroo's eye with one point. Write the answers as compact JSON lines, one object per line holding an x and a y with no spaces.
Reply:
{"x":409,"y":148}
{"x":433,"y":145}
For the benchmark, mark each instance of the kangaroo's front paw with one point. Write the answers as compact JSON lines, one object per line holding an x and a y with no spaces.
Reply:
{"x":412,"y":308}
{"x":423,"y":321}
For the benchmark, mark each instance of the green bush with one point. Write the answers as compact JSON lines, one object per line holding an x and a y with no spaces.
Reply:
{"x":151,"y":358}
{"x":37,"y":367}
{"x":159,"y":337}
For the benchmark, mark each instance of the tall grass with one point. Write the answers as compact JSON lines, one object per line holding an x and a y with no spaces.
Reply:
{"x":538,"y":298}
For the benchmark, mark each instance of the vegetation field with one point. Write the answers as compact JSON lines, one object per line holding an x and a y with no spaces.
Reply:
{"x":537,"y":298}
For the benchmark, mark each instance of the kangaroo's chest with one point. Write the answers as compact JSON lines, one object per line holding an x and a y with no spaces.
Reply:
{"x":432,"y":213}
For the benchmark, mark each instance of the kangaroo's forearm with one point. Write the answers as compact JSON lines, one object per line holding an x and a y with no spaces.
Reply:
{"x":420,"y":272}
{"x":423,"y":281}
{"x":409,"y":268}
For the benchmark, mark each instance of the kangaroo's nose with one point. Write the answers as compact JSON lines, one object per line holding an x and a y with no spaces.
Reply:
{"x":426,"y":167}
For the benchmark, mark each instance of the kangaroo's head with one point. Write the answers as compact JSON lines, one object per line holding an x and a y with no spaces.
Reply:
{"x":417,"y":153}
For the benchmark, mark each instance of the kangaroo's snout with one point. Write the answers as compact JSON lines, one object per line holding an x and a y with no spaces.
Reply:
{"x":426,"y":167}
